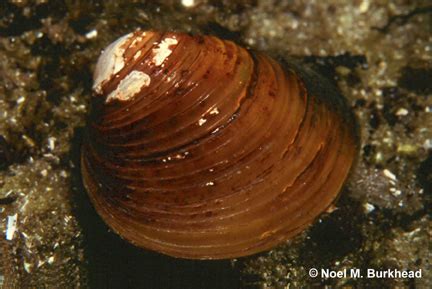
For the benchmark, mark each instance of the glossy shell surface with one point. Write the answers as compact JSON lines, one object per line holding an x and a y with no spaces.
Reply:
{"x":199,"y":148}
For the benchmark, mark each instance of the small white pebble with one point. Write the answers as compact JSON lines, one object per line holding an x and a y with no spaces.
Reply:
{"x":24,"y":205}
{"x":27,"y":267}
{"x":67,"y":219}
{"x":368,"y":207}
{"x":322,"y":52}
{"x":51,"y":260}
{"x":40,"y":263}
{"x":11,"y":226}
{"x":91,"y":34}
{"x":51,"y":143}
{"x":389,"y":175}
{"x":379,"y":157}
{"x":20,"y":100}
{"x":402,"y":112}
{"x":188,"y":3}
{"x":28,"y":140}
{"x":397,"y":193}
{"x":364,"y":6}
{"x":427,"y":145}
{"x":44,"y":173}
{"x":209,"y":184}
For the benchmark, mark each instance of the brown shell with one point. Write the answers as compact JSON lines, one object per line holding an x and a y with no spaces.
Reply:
{"x":207,"y":150}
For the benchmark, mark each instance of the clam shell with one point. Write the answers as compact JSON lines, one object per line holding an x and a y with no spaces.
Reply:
{"x":199,"y":148}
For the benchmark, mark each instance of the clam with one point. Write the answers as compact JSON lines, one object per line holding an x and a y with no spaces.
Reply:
{"x":199,"y":148}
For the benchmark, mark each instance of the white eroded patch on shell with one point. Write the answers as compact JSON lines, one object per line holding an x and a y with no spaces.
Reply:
{"x":110,"y":62}
{"x":137,"y":55}
{"x":129,"y":86}
{"x":201,"y":121}
{"x":162,"y":51}
{"x":137,"y":39}
{"x":214,"y":111}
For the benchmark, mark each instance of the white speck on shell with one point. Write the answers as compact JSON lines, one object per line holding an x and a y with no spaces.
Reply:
{"x":162,"y":51}
{"x":137,"y":55}
{"x":137,"y":40}
{"x":110,"y":62}
{"x":202,"y":121}
{"x":129,"y":86}
{"x":214,"y":111}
